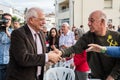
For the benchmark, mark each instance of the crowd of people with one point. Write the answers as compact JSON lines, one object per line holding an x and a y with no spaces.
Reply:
{"x":26,"y":50}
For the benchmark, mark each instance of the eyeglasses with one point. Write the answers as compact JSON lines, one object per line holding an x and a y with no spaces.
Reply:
{"x":40,"y":19}
{"x":92,"y":20}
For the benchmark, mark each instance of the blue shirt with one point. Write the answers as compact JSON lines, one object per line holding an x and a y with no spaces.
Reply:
{"x":113,"y":51}
{"x":4,"y":47}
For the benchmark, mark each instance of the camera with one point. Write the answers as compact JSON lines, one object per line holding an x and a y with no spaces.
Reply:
{"x":2,"y":24}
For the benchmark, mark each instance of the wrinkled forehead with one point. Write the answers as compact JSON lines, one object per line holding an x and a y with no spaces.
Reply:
{"x":93,"y":17}
{"x":64,"y":26}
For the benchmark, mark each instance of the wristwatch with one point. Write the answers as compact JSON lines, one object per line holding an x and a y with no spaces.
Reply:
{"x":103,"y":50}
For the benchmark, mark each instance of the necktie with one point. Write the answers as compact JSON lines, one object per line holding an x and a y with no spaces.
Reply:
{"x":39,"y":50}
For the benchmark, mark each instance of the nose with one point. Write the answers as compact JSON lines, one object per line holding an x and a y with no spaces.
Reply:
{"x":44,"y":21}
{"x":89,"y":23}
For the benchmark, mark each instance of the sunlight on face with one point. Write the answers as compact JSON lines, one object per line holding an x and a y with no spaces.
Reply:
{"x":53,"y":33}
{"x":94,"y":23}
{"x":39,"y":21}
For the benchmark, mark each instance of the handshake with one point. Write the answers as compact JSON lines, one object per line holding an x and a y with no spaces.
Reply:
{"x":54,"y":56}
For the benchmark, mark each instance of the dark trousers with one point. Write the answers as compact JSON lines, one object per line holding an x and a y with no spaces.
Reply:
{"x":3,"y":68}
{"x":81,"y":75}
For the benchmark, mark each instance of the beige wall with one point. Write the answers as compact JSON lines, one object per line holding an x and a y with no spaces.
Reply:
{"x":82,"y":9}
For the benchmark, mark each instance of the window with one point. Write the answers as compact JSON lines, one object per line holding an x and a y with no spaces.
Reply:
{"x":109,"y":21}
{"x":108,"y":4}
{"x":1,"y":11}
{"x":60,"y":21}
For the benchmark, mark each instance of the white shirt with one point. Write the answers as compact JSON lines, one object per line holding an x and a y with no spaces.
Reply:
{"x":33,"y":34}
{"x":68,"y":39}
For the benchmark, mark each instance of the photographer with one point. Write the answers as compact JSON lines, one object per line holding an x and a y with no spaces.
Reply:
{"x":5,"y":31}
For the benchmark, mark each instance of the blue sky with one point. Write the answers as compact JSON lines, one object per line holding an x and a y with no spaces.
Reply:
{"x":46,"y":5}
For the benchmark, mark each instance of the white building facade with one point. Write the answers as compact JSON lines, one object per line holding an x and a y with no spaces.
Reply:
{"x":76,"y":12}
{"x":50,"y":21}
{"x":12,"y":11}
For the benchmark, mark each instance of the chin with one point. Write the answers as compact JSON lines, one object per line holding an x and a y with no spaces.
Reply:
{"x":92,"y":31}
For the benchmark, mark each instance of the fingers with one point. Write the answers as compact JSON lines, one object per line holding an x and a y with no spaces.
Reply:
{"x":94,"y":47}
{"x":53,"y":57}
{"x":89,"y":49}
{"x":57,"y":51}
{"x":54,"y":48}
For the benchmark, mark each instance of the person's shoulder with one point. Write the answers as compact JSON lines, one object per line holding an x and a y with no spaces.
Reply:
{"x":113,"y":32}
{"x":88,"y":33}
{"x":42,"y":31}
{"x":70,"y":33}
{"x":19,"y":30}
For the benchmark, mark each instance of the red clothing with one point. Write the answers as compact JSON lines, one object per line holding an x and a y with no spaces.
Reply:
{"x":80,"y":61}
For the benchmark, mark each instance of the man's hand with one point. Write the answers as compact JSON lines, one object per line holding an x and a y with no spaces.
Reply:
{"x":95,"y":48}
{"x":53,"y":47}
{"x":53,"y":57}
{"x":63,"y":46}
{"x":110,"y":78}
{"x":57,"y":51}
{"x":7,"y":32}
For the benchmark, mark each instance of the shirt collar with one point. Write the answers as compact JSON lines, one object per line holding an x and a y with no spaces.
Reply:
{"x":68,"y":32}
{"x":32,"y":30}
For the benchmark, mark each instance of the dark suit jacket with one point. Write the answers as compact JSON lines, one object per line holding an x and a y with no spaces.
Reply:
{"x":23,"y":55}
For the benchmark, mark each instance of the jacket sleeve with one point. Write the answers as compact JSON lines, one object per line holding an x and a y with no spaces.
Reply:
{"x":115,"y":73}
{"x":78,"y":47}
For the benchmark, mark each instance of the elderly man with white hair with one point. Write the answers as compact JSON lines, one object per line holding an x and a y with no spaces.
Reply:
{"x":66,"y":40}
{"x":28,"y":50}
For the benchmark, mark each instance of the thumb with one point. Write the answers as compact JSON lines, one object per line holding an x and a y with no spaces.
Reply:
{"x":54,"y":48}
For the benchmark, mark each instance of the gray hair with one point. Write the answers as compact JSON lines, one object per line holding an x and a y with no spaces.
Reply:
{"x":65,"y":23}
{"x":79,"y":32}
{"x":32,"y":12}
{"x":103,"y":16}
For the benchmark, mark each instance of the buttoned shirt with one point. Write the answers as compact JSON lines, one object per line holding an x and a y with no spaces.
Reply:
{"x":40,"y":50}
{"x":4,"y":47}
{"x":67,"y":40}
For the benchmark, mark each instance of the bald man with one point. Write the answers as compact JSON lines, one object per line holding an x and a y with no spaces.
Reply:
{"x":102,"y":66}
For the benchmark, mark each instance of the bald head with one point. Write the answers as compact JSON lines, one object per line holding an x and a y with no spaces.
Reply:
{"x":98,"y":14}
{"x":97,"y":22}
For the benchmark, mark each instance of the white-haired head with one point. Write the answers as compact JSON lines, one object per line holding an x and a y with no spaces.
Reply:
{"x":32,"y":12}
{"x":65,"y":23}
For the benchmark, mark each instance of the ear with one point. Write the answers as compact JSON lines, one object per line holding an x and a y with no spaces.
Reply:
{"x":31,"y":20}
{"x":102,"y":21}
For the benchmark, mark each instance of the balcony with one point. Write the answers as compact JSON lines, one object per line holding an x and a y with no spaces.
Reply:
{"x":61,"y":1}
{"x":64,"y":6}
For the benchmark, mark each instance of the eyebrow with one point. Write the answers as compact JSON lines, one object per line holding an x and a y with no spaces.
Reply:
{"x":90,"y":18}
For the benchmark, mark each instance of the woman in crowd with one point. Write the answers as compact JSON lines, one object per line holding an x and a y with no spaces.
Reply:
{"x":53,"y":39}
{"x":80,"y":61}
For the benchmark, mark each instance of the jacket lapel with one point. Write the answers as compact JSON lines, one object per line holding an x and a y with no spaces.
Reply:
{"x":30,"y":37}
{"x":42,"y":38}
